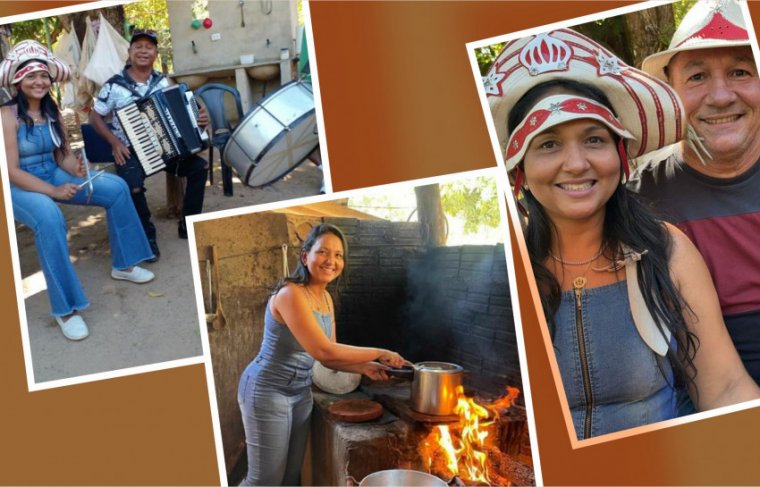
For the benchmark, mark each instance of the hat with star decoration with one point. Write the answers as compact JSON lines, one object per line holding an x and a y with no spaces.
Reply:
{"x":647,"y":112}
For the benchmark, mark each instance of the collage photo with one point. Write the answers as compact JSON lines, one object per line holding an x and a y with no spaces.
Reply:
{"x":312,"y":242}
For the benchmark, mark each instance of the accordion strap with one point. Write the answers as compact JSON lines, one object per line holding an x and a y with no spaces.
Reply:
{"x":124,"y":80}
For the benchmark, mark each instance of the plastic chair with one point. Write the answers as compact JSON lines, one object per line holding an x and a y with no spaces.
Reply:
{"x":95,"y":146}
{"x":212,"y":95}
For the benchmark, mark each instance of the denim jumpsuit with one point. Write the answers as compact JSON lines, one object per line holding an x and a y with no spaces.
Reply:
{"x":612,"y":379}
{"x":275,"y":401}
{"x":41,"y":214}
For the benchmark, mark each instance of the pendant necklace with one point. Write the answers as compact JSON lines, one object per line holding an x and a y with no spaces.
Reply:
{"x":579,"y":282}
{"x":316,"y":301}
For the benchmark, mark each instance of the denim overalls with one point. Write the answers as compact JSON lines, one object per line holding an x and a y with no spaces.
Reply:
{"x":275,"y":400}
{"x":41,"y":214}
{"x":612,"y":379}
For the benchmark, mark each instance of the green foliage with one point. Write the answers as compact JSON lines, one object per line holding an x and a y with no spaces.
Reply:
{"x":34,"y":29}
{"x":200,"y":9}
{"x":487,"y":55}
{"x":680,"y":8}
{"x":475,"y":200}
{"x":152,"y":14}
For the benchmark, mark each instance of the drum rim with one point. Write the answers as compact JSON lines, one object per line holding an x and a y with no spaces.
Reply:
{"x":263,"y":152}
{"x":291,"y":168}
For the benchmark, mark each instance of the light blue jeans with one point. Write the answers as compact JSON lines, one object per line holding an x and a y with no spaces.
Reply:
{"x":42,"y":214}
{"x":276,"y":420}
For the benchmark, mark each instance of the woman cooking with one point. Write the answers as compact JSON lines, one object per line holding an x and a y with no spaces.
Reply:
{"x":632,"y":311}
{"x":43,"y":172}
{"x":299,"y":327}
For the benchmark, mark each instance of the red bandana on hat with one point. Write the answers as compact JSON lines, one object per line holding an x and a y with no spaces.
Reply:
{"x":647,"y":108}
{"x":555,"y":110}
{"x":43,"y":60}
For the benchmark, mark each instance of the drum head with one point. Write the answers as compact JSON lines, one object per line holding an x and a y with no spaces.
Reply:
{"x":275,"y":137}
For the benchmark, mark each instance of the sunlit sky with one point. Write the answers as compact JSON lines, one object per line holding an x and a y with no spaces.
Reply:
{"x":400,"y":203}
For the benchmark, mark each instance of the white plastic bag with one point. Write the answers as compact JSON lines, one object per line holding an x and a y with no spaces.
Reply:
{"x":109,"y":55}
{"x":67,"y":48}
{"x":85,"y":89}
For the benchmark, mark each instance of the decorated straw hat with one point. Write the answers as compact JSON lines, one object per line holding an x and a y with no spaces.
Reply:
{"x":555,"y":110}
{"x":42,"y":60}
{"x":645,"y":107}
{"x":709,"y":24}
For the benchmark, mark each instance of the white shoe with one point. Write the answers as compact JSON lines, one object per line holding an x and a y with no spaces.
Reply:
{"x":74,"y":328}
{"x":137,"y":274}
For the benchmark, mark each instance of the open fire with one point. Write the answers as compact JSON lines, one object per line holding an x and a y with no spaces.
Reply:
{"x":464,"y":449}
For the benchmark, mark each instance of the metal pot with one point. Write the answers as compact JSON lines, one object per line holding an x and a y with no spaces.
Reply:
{"x":434,"y":386}
{"x":401,"y":477}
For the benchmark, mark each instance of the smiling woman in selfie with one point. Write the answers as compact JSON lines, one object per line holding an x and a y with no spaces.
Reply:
{"x":299,"y":326}
{"x":43,"y":172}
{"x":633,"y":315}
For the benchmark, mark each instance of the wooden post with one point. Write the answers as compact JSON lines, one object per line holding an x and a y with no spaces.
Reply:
{"x":433,"y":225}
{"x":175,"y":192}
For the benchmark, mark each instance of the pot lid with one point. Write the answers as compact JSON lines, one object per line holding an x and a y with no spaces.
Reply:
{"x":438,"y":367}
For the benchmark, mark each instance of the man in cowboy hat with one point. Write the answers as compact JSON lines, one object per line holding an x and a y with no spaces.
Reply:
{"x":709,"y":184}
{"x":137,"y":80}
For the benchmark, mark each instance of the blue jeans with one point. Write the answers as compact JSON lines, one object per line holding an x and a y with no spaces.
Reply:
{"x":42,"y":214}
{"x":276,"y":420}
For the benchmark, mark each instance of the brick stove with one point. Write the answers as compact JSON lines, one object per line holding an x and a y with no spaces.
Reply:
{"x":449,"y":304}
{"x":340,"y":450}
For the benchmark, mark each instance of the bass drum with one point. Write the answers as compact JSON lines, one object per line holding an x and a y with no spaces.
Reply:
{"x":274,"y":137}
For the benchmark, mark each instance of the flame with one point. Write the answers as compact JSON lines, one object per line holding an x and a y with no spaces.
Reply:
{"x":461,"y":449}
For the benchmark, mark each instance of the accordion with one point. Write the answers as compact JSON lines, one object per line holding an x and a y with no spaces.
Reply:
{"x":163,"y":127}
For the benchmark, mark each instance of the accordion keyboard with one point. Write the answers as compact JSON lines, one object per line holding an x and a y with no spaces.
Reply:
{"x":163,"y":127}
{"x":145,"y":141}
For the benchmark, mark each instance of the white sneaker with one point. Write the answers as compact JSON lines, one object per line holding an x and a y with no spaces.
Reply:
{"x":74,"y":328}
{"x":137,"y":274}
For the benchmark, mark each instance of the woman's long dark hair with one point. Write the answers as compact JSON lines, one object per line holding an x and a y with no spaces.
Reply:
{"x":627,"y":221}
{"x":301,"y":274}
{"x":48,"y":107}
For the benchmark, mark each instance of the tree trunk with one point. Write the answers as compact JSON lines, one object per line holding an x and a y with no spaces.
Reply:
{"x":433,"y":225}
{"x":114,"y":16}
{"x":5,"y":46}
{"x":633,"y":37}
{"x":649,"y":31}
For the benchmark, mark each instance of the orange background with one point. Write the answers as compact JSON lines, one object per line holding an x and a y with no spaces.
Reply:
{"x":399,"y":103}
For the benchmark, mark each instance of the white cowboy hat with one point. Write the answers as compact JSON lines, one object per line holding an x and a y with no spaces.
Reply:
{"x":29,"y":50}
{"x":645,"y":106}
{"x":709,"y":24}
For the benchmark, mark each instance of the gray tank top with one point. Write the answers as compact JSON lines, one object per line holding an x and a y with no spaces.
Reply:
{"x":282,"y":361}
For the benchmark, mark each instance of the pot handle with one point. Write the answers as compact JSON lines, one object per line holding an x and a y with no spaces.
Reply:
{"x":400,"y":372}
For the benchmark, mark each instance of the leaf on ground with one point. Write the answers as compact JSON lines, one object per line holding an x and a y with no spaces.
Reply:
{"x":155,"y":294}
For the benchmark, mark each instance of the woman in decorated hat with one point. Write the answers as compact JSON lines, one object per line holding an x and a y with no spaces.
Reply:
{"x":633,"y":314}
{"x":43,"y":172}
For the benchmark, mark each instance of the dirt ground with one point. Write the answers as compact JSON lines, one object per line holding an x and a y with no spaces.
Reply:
{"x":130,"y":324}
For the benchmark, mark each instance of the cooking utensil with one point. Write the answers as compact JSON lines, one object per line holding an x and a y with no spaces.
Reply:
{"x":334,"y":381}
{"x":400,"y":477}
{"x":355,"y":410}
{"x":405,"y":372}
{"x":434,"y":386}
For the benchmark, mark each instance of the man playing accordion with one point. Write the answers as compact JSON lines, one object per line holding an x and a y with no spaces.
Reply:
{"x":136,"y":81}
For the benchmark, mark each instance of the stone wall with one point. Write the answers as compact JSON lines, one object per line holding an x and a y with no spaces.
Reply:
{"x":447,"y":304}
{"x":250,"y":262}
{"x":459,"y":309}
